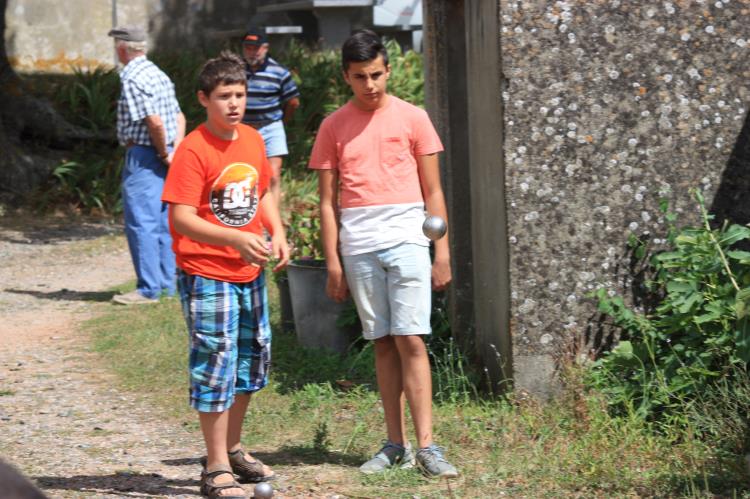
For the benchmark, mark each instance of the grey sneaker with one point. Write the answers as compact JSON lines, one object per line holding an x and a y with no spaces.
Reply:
{"x":133,"y":298}
{"x":432,"y":463}
{"x":389,"y":456}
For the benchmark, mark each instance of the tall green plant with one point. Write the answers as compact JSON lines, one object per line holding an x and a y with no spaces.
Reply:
{"x":407,"y":74}
{"x":89,"y":97}
{"x":697,"y":334}
{"x":300,"y":214}
{"x":89,"y":182}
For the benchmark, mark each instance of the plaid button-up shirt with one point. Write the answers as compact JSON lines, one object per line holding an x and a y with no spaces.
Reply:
{"x":145,"y":90}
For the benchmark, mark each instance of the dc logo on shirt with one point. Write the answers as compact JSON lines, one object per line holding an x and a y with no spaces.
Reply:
{"x":234,"y":195}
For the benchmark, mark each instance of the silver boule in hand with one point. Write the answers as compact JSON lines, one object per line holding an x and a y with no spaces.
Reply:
{"x":434,"y":227}
{"x":263,"y":490}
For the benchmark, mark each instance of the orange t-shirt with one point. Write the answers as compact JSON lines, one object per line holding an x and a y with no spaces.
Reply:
{"x":225,"y":180}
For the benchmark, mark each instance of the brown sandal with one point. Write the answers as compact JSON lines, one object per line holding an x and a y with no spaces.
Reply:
{"x":210,"y":488}
{"x":249,"y":471}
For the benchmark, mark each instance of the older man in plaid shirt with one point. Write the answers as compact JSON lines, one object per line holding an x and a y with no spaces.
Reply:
{"x":149,"y":125}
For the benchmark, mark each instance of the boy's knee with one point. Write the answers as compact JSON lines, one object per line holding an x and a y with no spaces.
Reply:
{"x":410,"y":345}
{"x":385,"y":345}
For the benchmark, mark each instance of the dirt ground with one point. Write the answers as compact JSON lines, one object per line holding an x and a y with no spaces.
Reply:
{"x":62,"y":424}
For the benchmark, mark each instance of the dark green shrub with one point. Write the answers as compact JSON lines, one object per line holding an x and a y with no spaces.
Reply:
{"x":88,"y":98}
{"x":300,"y":214}
{"x":698,"y":333}
{"x":89,"y":182}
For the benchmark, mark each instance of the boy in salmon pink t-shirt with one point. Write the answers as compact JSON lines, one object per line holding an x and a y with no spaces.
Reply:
{"x":217,"y":190}
{"x":377,"y":163}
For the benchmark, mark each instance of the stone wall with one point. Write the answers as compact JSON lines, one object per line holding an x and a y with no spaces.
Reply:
{"x":608,"y":107}
{"x":45,"y":36}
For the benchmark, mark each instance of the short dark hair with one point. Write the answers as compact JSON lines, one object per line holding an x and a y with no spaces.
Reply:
{"x":227,"y":69}
{"x":363,"y":45}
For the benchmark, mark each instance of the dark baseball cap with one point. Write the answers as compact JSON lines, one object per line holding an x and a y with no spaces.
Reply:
{"x":255,"y":35}
{"x":128,"y":33}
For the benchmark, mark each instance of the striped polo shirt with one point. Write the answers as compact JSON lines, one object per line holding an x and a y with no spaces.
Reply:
{"x":144,"y":91}
{"x":268,"y":89}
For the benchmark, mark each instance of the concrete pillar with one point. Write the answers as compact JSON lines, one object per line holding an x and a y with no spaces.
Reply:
{"x":455,"y":66}
{"x":445,"y":99}
{"x":487,"y":172}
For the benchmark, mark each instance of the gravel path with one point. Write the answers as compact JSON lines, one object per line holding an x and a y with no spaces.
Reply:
{"x":61,"y":423}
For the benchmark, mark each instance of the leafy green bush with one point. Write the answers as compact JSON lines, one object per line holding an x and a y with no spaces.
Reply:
{"x":697,"y":335}
{"x":88,"y":181}
{"x":89,"y":98}
{"x":300,"y":214}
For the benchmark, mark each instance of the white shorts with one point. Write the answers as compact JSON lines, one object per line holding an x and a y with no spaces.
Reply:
{"x":392,"y":289}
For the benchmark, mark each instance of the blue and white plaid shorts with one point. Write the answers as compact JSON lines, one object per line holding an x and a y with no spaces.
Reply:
{"x":230,"y":339}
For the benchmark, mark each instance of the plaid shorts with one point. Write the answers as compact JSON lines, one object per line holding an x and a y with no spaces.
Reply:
{"x":230,"y":339}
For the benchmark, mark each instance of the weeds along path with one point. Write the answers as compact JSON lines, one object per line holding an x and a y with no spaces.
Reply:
{"x":61,"y":423}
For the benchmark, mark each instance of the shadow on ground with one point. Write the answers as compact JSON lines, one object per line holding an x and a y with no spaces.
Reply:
{"x":66,"y":294}
{"x":296,"y":455}
{"x":120,"y":484}
{"x":183,"y":461}
{"x":45,"y":230}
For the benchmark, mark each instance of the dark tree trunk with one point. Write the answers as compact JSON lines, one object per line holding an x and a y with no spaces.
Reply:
{"x":22,"y":117}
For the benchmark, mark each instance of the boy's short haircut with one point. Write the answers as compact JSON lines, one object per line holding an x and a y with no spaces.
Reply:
{"x":227,"y":69}
{"x":363,"y":45}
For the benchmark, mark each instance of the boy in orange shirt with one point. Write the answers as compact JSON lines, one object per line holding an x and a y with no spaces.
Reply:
{"x":377,"y":161}
{"x":217,"y":190}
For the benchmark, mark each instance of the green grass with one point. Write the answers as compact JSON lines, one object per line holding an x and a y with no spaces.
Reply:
{"x":317,"y":430}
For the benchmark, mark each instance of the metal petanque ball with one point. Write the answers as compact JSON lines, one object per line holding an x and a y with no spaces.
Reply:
{"x":263,"y":490}
{"x":434,"y":227}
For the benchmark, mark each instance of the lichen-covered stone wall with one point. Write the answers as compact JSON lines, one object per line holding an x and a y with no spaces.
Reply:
{"x":44,"y":36}
{"x":609,"y":106}
{"x":57,"y":37}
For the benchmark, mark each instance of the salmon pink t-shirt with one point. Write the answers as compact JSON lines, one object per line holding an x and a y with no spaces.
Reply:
{"x":225,"y":180}
{"x":374,"y":153}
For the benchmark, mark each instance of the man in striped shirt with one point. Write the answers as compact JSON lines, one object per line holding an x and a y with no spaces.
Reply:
{"x":272,"y":98}
{"x":149,"y":125}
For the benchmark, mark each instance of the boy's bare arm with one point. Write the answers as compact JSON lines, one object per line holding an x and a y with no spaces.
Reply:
{"x":434,"y":200}
{"x":272,"y":222}
{"x":181,"y":123}
{"x":252,"y":247}
{"x":336,"y":286}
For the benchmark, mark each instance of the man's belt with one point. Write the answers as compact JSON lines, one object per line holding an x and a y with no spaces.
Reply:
{"x":261,"y":124}
{"x":131,"y":143}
